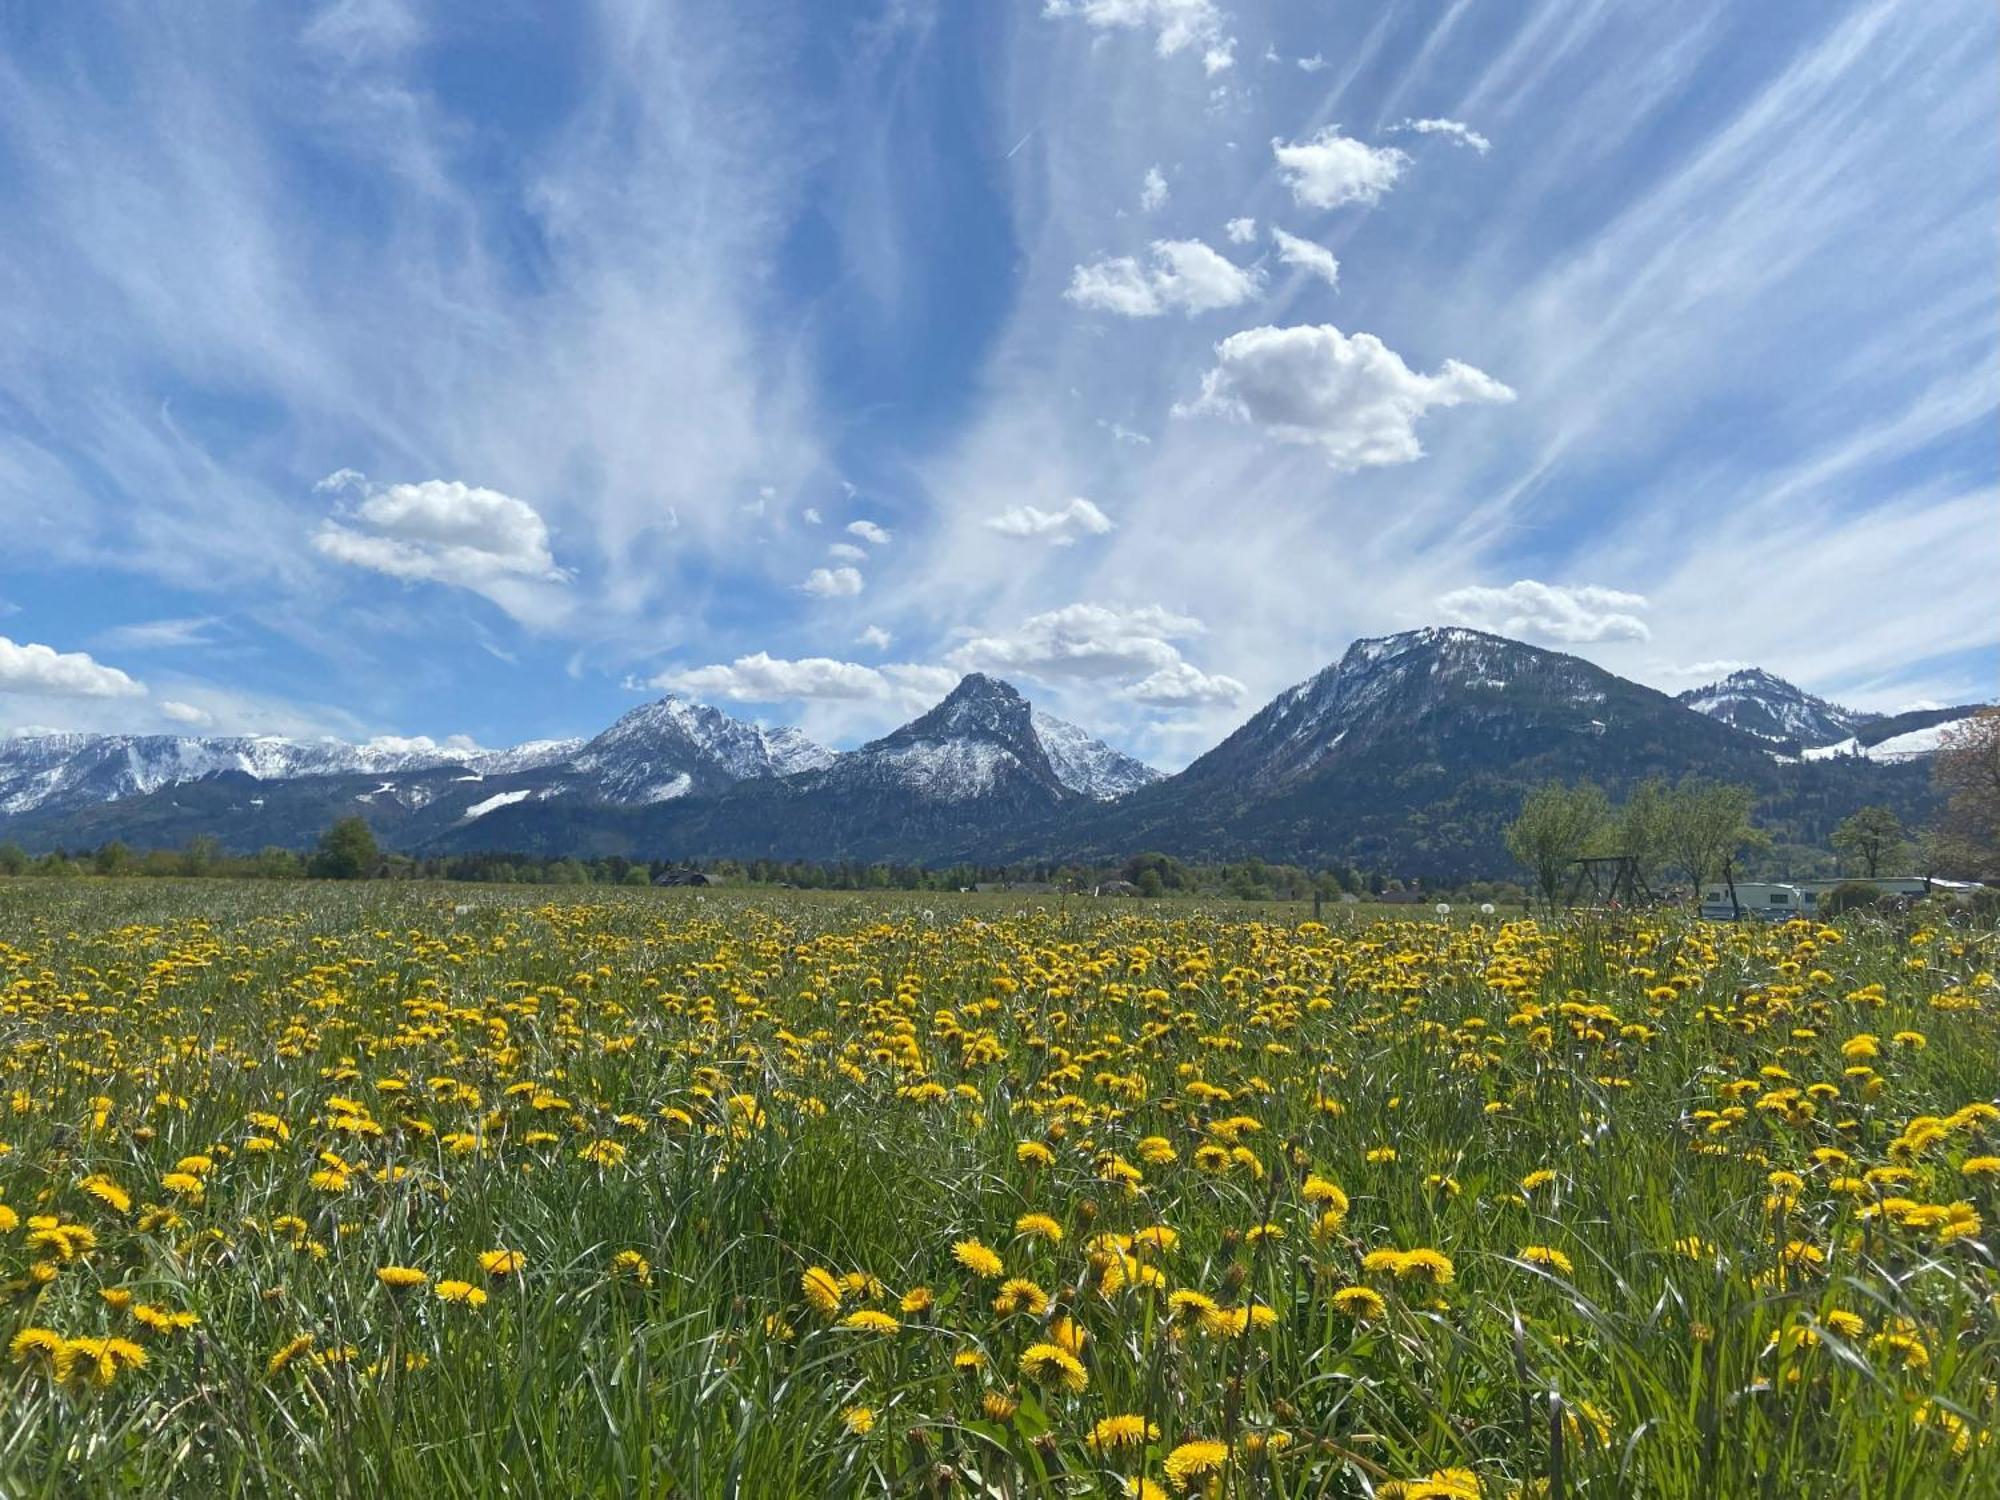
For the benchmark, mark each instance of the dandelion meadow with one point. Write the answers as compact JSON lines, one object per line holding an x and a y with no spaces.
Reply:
{"x":378,"y":1190}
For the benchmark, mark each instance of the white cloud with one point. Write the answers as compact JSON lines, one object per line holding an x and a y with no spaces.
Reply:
{"x":763,"y":678}
{"x":1241,"y":231}
{"x":186,"y":713}
{"x":1576,"y":615}
{"x":875,"y":638}
{"x":833,"y":583}
{"x":1153,"y":191}
{"x":1314,"y":259}
{"x":1176,"y":24}
{"x":445,"y":531}
{"x":1329,"y":169}
{"x":1220,"y":58}
{"x":811,"y":515}
{"x":1705,"y":671}
{"x":1352,"y":397}
{"x":1454,"y":130}
{"x":847,"y":551}
{"x":46,"y":672}
{"x":152,"y":635}
{"x":1185,"y":275}
{"x":1083,"y":643}
{"x":1183,"y":685}
{"x":1311,"y":64}
{"x":1060,"y":527}
{"x":868,"y":531}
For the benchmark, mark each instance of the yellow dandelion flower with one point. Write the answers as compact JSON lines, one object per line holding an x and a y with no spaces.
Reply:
{"x":822,"y":1289}
{"x":1051,"y":1364}
{"x":978,"y":1259}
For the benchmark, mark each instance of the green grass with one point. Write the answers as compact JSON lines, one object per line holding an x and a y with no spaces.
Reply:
{"x":141,"y":1023}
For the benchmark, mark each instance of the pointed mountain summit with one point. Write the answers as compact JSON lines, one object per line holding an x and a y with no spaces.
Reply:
{"x":1759,"y":703}
{"x":677,"y":747}
{"x":985,"y":739}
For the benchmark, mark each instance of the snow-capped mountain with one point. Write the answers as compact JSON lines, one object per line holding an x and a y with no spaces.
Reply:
{"x":78,"y":770}
{"x":675,"y":747}
{"x":1086,"y":764}
{"x":1401,"y":692}
{"x":984,"y":738}
{"x":1771,"y":708}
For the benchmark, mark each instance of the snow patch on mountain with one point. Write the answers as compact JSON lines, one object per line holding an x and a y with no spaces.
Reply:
{"x":1086,"y":764}
{"x":1771,"y":708}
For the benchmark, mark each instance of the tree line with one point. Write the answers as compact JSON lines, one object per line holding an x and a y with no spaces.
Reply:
{"x":1699,"y":829}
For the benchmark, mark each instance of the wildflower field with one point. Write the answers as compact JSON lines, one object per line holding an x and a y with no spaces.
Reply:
{"x":312,"y":1190}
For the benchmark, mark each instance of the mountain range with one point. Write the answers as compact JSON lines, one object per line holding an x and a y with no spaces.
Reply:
{"x":1407,"y":756}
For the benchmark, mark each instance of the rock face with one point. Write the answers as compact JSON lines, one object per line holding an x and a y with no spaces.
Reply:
{"x":676,"y":747}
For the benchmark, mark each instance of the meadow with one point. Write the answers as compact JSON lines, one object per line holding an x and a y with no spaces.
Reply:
{"x":370,"y":1190}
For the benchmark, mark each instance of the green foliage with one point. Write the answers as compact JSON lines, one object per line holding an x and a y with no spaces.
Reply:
{"x":1872,"y":837}
{"x":1707,"y":824}
{"x":1557,"y":826}
{"x":347,"y":851}
{"x":1849,"y":895}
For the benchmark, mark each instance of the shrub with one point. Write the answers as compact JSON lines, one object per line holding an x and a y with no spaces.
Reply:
{"x":1850,"y":895}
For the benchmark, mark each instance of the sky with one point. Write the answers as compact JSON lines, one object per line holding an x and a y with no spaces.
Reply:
{"x":390,"y":369}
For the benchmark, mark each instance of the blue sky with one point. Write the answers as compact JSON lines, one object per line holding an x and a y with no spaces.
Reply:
{"x":383,"y":368}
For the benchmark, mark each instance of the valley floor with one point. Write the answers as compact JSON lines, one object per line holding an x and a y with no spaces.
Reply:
{"x":430,"y":1190}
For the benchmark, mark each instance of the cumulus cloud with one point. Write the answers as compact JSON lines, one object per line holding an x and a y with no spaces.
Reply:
{"x":833,"y":583}
{"x":187,"y":713}
{"x":1241,"y":231}
{"x":444,"y":531}
{"x":1705,"y":671}
{"x":1315,"y":260}
{"x":1176,"y":24}
{"x":1184,"y":685}
{"x":1352,"y":397}
{"x":847,"y":551}
{"x":1329,"y":169}
{"x":1454,"y":130}
{"x":869,"y":532}
{"x":28,"y":667}
{"x":1153,"y":191}
{"x":1058,"y":527}
{"x":811,"y":515}
{"x":875,"y":638}
{"x":1185,"y":275}
{"x":1311,"y":64}
{"x":763,"y":678}
{"x":1102,"y":644}
{"x":1578,"y":615}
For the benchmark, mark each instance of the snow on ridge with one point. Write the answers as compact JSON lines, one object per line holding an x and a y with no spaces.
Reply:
{"x":1084,"y":763}
{"x":497,"y":801}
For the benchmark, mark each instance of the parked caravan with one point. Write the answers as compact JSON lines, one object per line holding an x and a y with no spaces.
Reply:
{"x":1759,"y":900}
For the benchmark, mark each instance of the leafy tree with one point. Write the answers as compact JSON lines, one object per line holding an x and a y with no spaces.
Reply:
{"x":13,"y":860}
{"x":1557,"y":826}
{"x":1966,"y":770}
{"x":1708,"y":825}
{"x":1641,"y":833}
{"x":1871,"y":837}
{"x":347,"y":851}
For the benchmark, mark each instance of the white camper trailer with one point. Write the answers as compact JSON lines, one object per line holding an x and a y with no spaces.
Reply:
{"x":1749,"y":899}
